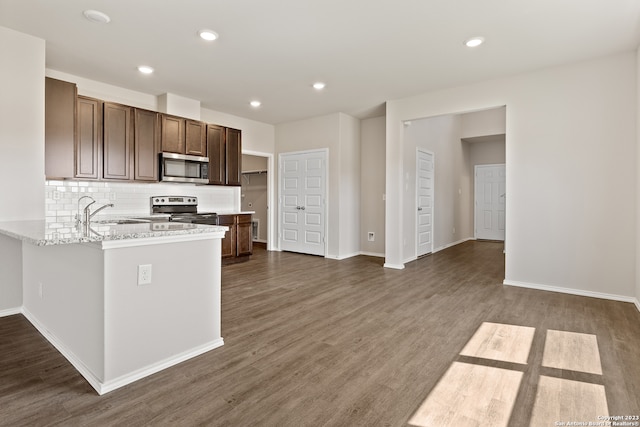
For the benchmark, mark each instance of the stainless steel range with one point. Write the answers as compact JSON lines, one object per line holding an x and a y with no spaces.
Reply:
{"x":182,"y":209}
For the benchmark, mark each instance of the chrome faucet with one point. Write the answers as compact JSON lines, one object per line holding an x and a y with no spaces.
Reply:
{"x":88,"y":214}
{"x":79,"y":219}
{"x":85,"y":219}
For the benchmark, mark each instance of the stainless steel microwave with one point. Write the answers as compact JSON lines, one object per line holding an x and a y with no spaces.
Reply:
{"x":184,"y":168}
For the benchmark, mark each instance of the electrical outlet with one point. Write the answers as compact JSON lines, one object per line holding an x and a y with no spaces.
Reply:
{"x":371,"y":236}
{"x":454,"y":230}
{"x":40,"y":289}
{"x":144,"y":274}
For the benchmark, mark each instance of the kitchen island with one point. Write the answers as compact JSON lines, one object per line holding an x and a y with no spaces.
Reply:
{"x":122,"y":301}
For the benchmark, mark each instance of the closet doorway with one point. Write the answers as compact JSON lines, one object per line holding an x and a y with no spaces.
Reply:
{"x":255,"y":195}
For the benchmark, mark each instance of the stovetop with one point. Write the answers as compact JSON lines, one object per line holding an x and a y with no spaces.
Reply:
{"x":182,"y":209}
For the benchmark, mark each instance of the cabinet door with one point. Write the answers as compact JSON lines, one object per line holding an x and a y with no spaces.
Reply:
{"x":215,"y":143}
{"x":116,"y":141}
{"x":196,"y":138}
{"x":244,"y":241}
{"x":59,"y":128}
{"x":145,"y":142}
{"x":88,"y":138}
{"x":173,"y":134}
{"x":233,"y":157}
{"x":228,"y":244}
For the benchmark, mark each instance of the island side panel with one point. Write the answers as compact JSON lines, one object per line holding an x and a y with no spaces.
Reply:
{"x":63,"y":298}
{"x":10,"y":276}
{"x":153,"y":326}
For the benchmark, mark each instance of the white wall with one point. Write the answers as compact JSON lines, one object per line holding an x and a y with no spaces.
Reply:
{"x":372,"y":166}
{"x":339,"y":134}
{"x":487,"y":153}
{"x":349,"y":170}
{"x":453,"y":215}
{"x":571,"y":171}
{"x":485,"y":122}
{"x":21,"y":126}
{"x":21,"y":149}
{"x":256,"y":136}
{"x":11,"y":275}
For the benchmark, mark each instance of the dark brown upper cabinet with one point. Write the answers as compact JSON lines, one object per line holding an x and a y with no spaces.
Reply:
{"x":117,"y":141}
{"x":146,"y":143}
{"x":172,"y":138}
{"x":225,"y":155}
{"x":59,"y":128}
{"x":233,"y":157}
{"x":88,"y":142}
{"x":195,"y":138}
{"x":183,"y":136}
{"x":217,"y":155}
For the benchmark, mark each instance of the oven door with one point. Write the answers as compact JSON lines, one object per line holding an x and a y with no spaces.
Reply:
{"x":184,"y":168}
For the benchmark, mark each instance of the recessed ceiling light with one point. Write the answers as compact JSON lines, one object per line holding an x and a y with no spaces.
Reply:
{"x":208,"y":35}
{"x":96,"y":16}
{"x":145,"y":69}
{"x":319,"y":85}
{"x":255,"y":104}
{"x":474,"y":41}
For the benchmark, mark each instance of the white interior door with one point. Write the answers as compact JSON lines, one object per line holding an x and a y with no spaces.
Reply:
{"x":490,"y":201}
{"x":302,"y":202}
{"x":424,"y":201}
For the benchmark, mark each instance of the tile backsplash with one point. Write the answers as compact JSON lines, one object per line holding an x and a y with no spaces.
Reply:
{"x":62,"y":197}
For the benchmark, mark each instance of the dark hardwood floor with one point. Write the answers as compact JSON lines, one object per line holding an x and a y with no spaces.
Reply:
{"x":317,"y":342}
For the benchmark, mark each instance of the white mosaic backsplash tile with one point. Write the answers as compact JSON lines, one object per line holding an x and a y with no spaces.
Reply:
{"x":62,"y":197}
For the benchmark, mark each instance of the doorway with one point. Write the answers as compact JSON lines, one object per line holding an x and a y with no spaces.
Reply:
{"x":256,"y":194}
{"x":302,"y":210}
{"x":490,"y":202}
{"x":425,"y":171}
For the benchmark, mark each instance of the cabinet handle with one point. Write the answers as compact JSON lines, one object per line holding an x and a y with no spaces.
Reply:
{"x":302,"y":207}
{"x":419,"y":209}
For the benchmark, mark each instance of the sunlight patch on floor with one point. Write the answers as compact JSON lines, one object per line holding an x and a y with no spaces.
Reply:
{"x":559,"y":400}
{"x":572,"y":351}
{"x":470,"y":394}
{"x":495,"y":341}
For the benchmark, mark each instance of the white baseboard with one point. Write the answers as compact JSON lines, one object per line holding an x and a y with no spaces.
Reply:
{"x":105,"y":387}
{"x":375,"y":254}
{"x":91,"y":378}
{"x":394,"y":266}
{"x":448,"y":245}
{"x":159,"y":366}
{"x":10,"y":311}
{"x":572,"y":291}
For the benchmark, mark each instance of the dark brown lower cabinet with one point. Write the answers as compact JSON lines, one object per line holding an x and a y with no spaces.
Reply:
{"x":237,"y":244}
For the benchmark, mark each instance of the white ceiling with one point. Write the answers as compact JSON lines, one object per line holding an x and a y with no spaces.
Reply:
{"x":367,"y":51}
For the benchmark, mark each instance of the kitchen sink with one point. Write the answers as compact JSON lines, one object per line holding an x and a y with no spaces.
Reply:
{"x":122,"y":221}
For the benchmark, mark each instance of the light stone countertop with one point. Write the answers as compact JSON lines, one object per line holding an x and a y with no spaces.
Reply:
{"x":43,"y":233}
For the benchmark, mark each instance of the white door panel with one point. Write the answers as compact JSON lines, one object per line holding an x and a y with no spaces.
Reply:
{"x":490,"y":201}
{"x":303,"y":185}
{"x":424,"y":201}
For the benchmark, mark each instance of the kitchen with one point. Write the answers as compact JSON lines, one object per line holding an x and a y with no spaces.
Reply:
{"x":79,"y":242}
